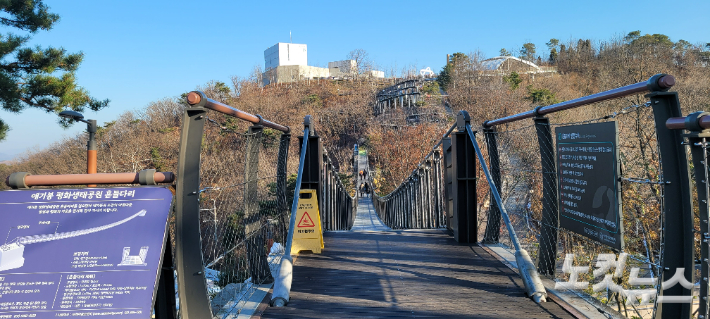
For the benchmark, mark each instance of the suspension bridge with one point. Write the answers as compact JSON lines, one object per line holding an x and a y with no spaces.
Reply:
{"x":482,"y":228}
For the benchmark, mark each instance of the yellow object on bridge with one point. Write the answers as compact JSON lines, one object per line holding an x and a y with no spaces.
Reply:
{"x":308,"y":234}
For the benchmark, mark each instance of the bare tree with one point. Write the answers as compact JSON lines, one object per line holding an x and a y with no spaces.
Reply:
{"x":363,"y":64}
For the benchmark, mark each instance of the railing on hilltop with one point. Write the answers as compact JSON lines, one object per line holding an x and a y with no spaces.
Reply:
{"x":405,"y":92}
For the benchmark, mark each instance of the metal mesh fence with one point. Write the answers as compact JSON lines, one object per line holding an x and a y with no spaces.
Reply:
{"x":243,"y":211}
{"x":522,"y":169}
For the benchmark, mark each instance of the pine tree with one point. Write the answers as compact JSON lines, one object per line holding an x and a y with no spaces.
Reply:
{"x":552,"y":45}
{"x":36,"y":77}
{"x":527,"y":52}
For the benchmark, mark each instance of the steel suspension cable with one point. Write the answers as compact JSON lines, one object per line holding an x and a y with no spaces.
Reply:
{"x":527,"y":269}
{"x":282,"y":285}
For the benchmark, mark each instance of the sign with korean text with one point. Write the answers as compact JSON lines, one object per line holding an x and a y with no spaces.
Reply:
{"x":307,"y":234}
{"x":93,"y":252}
{"x":589,"y":189}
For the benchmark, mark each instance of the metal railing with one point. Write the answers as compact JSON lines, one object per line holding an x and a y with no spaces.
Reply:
{"x":231,"y":207}
{"x":405,"y":92}
{"x":523,"y":185}
{"x":418,"y":202}
{"x":657,"y":237}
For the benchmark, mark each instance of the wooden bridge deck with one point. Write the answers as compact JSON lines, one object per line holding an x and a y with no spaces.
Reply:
{"x":406,"y":274}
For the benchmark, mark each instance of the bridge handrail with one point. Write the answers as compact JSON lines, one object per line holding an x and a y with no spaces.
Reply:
{"x":697,"y":121}
{"x":198,"y":98}
{"x":144,"y":177}
{"x":658,"y":82}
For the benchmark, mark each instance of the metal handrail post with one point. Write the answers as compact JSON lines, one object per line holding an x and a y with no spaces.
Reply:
{"x":256,"y":254}
{"x":698,"y":142}
{"x":282,"y":177}
{"x":547,"y":251}
{"x":192,"y":287}
{"x":492,"y":233}
{"x":678,"y":235}
{"x":465,"y":206}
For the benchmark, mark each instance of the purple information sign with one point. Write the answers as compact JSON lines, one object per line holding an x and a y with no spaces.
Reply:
{"x":92,"y":252}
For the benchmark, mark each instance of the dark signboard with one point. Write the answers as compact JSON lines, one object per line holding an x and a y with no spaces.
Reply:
{"x":588,"y":170}
{"x":92,"y":252}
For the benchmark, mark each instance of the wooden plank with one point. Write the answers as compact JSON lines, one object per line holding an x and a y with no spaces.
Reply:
{"x":412,"y":273}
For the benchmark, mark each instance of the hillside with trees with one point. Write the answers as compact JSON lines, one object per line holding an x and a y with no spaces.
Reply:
{"x":148,"y":138}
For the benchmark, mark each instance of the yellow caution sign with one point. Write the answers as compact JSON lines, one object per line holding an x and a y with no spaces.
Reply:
{"x":308,"y":234}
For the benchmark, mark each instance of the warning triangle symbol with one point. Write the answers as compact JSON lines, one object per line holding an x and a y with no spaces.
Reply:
{"x":306,"y":221}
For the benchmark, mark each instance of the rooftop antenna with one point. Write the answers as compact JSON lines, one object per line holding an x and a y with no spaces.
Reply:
{"x":289,"y":36}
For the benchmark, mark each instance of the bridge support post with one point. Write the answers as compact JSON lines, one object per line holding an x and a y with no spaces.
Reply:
{"x":492,"y":234}
{"x":464,"y":223}
{"x":326,"y":210}
{"x":547,"y":252}
{"x":192,"y":288}
{"x":698,"y":141}
{"x":678,"y":237}
{"x":400,"y":211}
{"x":418,"y":213}
{"x":281,"y":180}
{"x":438,"y":198}
{"x":448,"y":182}
{"x":312,"y":177}
{"x":426,"y":172}
{"x":256,"y":249}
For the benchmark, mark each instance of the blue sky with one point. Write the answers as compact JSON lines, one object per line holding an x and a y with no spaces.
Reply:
{"x":142,"y":51}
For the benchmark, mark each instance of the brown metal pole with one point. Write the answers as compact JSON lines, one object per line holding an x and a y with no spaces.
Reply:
{"x":658,"y":82}
{"x":91,"y":164}
{"x":84,"y":179}
{"x":197,"y":98}
{"x":678,"y":123}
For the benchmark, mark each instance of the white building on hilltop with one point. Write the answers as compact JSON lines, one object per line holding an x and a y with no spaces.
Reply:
{"x":285,"y":54}
{"x":342,"y":68}
{"x":288,"y":62}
